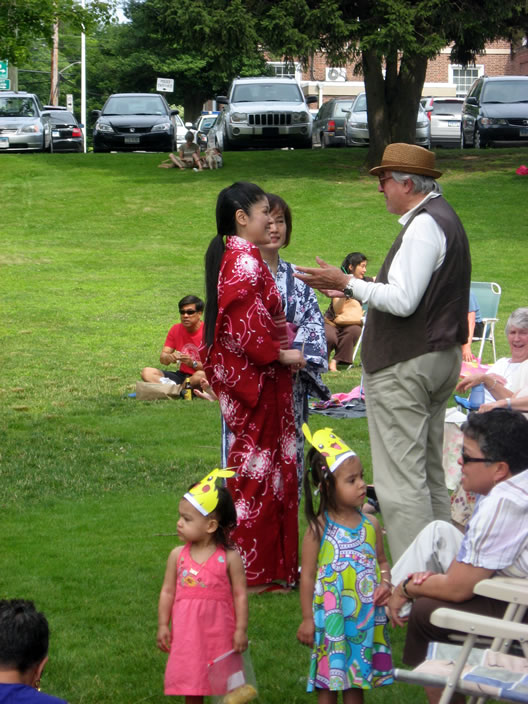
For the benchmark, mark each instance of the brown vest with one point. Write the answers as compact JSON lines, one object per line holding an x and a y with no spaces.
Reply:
{"x":440,"y":321}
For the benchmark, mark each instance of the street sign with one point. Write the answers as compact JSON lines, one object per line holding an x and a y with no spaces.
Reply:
{"x":5,"y":84}
{"x":3,"y":69}
{"x":165,"y":85}
{"x":69,"y":101}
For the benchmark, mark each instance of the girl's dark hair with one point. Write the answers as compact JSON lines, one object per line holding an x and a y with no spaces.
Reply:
{"x":239,"y":196}
{"x":278,"y":203}
{"x":318,"y":477}
{"x":352,"y":260}
{"x":225,"y":514}
{"x":24,"y":635}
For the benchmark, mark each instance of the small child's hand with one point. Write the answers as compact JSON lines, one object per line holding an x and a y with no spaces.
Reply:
{"x":240,"y":640}
{"x":305,"y":632}
{"x":382,"y":595}
{"x":163,"y":638}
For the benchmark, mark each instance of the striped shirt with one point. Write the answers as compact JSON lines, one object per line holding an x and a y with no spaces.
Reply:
{"x":497,"y":534}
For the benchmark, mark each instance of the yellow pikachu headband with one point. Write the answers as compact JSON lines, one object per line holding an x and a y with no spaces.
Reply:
{"x":329,"y":445}
{"x":204,"y":495}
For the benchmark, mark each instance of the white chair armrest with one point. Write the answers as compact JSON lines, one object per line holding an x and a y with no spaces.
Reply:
{"x":509,"y":589}
{"x":477,"y":625}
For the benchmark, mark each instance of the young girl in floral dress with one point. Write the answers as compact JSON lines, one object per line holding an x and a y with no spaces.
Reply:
{"x":345,"y":577}
{"x":249,"y":366}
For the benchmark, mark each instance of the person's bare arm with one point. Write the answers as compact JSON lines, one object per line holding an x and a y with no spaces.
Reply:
{"x":310,"y":550}
{"x":169,"y":356}
{"x":467,"y":354}
{"x":237,"y":576}
{"x":322,"y":278}
{"x":166,"y":599}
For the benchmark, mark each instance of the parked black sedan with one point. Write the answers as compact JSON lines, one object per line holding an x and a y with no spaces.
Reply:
{"x":135,"y":121}
{"x":66,"y":132}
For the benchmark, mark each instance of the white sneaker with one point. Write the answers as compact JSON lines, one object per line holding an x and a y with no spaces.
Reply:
{"x":166,"y":380}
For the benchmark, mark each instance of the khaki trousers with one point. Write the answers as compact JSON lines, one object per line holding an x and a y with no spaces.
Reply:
{"x":405,"y":409}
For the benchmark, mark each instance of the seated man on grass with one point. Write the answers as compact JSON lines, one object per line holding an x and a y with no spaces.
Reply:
{"x":442,"y":566}
{"x":182,"y":348}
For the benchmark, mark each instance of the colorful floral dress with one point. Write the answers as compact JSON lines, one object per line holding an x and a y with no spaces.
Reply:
{"x":255,"y":395}
{"x":203,"y":622}
{"x":351,"y":648}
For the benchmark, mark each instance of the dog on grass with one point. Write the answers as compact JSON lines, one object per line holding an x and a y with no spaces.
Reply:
{"x":213,"y":158}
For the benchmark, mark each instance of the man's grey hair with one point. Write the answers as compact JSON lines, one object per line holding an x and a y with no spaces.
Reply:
{"x":421,"y":184}
{"x":518,"y":319}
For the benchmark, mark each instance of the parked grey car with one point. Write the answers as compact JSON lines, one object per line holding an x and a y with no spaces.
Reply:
{"x":329,"y":124}
{"x":495,"y":110}
{"x":444,"y":115}
{"x":263,"y":112}
{"x":357,"y":132}
{"x":24,"y":124}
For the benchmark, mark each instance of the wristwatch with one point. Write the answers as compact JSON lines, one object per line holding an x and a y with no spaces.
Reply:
{"x":195,"y":365}
{"x":349,"y":290}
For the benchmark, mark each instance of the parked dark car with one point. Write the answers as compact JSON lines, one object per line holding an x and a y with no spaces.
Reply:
{"x":135,"y":121}
{"x":495,"y":110}
{"x":330,"y":122}
{"x":24,"y":124}
{"x":66,"y":132}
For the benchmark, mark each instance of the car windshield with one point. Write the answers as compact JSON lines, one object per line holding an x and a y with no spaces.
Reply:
{"x":505,"y":92}
{"x":361,"y":103}
{"x":62,"y":117}
{"x":17,"y":107}
{"x":266,"y":92}
{"x":207,"y":123}
{"x":342,"y":108}
{"x":135,"y":105}
{"x":446,"y":107}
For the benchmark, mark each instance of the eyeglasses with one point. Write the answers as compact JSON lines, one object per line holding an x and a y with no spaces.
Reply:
{"x":384,"y":178}
{"x":466,"y":459}
{"x":188,"y":311}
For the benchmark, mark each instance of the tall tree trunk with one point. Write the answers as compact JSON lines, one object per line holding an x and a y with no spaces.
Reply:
{"x":410,"y":81}
{"x":378,"y":118}
{"x":192,"y":106}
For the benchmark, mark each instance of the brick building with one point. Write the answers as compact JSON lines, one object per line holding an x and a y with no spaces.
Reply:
{"x":442,"y":77}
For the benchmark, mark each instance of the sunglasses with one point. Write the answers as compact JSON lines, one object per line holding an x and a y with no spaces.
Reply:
{"x":188,"y":311}
{"x":466,"y":459}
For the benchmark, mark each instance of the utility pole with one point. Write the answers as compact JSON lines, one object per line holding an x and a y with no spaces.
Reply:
{"x":54,"y":92}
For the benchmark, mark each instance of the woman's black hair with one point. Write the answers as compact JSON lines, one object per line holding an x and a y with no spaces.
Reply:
{"x":318,"y":479}
{"x":351,"y":261}
{"x":24,"y":635}
{"x":278,"y":203}
{"x":239,"y":196}
{"x":502,"y":435}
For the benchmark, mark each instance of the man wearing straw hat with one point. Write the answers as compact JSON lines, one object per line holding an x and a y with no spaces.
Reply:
{"x":411,"y":349}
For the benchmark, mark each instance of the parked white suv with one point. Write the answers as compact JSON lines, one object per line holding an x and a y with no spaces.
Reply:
{"x":264,"y":112}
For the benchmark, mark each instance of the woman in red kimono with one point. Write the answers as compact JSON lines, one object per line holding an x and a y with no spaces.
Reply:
{"x":249,"y":368}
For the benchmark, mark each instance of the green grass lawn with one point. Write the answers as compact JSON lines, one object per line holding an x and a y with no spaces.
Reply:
{"x":96,"y":250}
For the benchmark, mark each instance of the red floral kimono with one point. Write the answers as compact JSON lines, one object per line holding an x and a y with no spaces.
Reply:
{"x":255,"y":394}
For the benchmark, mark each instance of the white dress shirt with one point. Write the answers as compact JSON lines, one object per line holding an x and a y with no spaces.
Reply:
{"x":422,"y":252}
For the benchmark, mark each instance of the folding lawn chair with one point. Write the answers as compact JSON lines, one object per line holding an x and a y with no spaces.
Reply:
{"x":480,"y":674}
{"x":488,"y":296}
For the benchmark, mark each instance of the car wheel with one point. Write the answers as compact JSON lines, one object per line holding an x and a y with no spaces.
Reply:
{"x":478,"y":141}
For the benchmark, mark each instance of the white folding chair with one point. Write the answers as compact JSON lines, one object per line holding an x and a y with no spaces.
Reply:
{"x":488,"y":295}
{"x":465,"y":667}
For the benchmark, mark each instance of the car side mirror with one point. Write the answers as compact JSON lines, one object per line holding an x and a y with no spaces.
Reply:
{"x":96,"y":113}
{"x":222,"y":100}
{"x":175,"y":112}
{"x":312,"y":99}
{"x":471,"y":101}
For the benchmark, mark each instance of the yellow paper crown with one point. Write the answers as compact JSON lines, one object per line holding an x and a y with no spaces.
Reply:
{"x":204,"y":495}
{"x":330,"y":445}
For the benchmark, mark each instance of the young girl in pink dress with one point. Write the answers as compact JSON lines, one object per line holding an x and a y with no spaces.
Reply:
{"x":204,"y":593}
{"x":249,"y":366}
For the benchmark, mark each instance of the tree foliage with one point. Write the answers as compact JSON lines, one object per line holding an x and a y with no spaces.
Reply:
{"x":22,"y":22}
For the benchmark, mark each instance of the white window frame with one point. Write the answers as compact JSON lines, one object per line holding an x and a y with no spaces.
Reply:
{"x":283,"y":64}
{"x":480,"y":72}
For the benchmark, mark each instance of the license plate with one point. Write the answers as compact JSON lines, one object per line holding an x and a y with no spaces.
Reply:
{"x":131,"y":140}
{"x":453,"y":123}
{"x":55,"y":133}
{"x":270,"y":131}
{"x":4,"y":142}
{"x":523,"y":132}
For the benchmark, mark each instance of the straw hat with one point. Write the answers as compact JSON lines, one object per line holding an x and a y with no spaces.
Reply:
{"x":408,"y":159}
